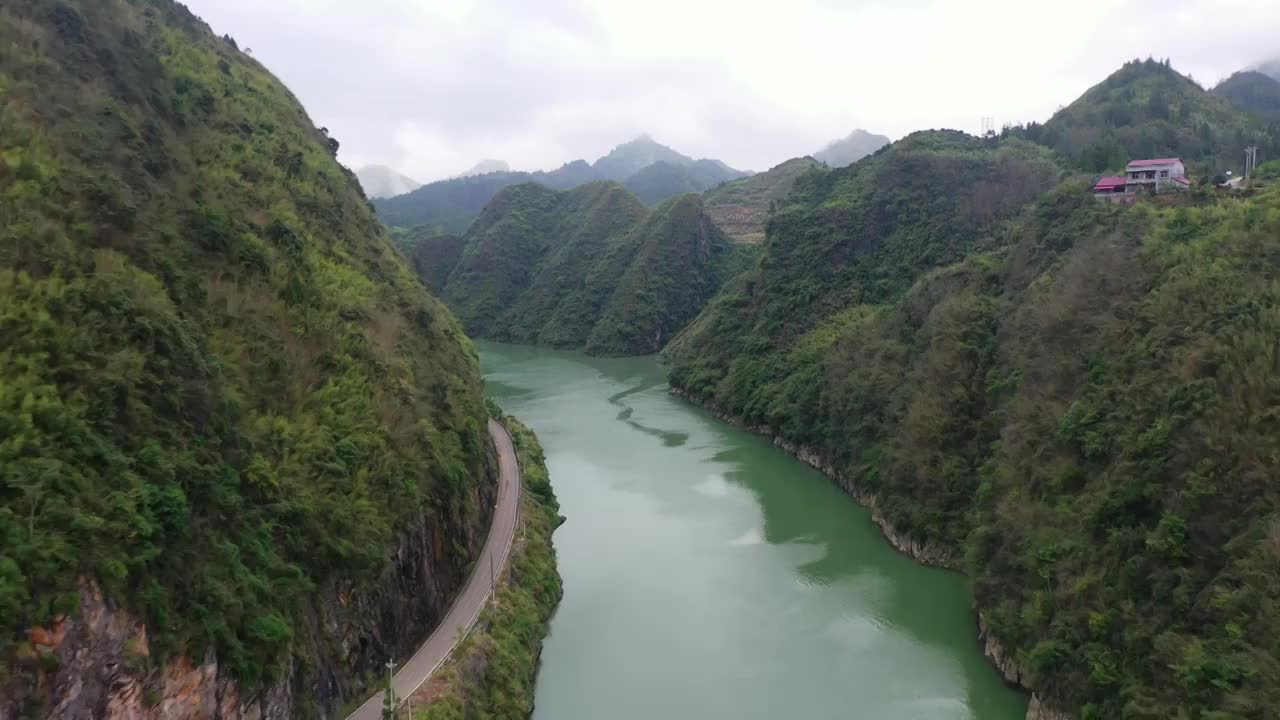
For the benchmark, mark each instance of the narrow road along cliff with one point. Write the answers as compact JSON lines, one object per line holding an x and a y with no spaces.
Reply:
{"x":418,"y":669}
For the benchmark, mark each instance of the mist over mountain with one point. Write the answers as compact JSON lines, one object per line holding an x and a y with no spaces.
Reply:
{"x":1270,"y":68}
{"x":486,"y":166}
{"x":850,"y":149}
{"x":380,"y":181}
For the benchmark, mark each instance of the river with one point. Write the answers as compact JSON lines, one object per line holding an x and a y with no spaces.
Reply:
{"x":710,"y":576}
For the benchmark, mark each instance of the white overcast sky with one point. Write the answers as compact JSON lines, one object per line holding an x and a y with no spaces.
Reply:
{"x":430,"y":87}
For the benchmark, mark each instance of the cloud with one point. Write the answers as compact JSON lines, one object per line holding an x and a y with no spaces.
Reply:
{"x":431,"y":86}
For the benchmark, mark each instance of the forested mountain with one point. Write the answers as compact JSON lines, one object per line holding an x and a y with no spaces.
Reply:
{"x":1252,"y":91}
{"x":741,"y":208}
{"x":1148,"y":110}
{"x":587,"y":268}
{"x":380,"y":181}
{"x":663,"y":179}
{"x":1073,"y":401}
{"x":446,"y":206}
{"x":850,"y":149}
{"x":653,"y":171}
{"x":242,"y":451}
{"x":635,"y":155}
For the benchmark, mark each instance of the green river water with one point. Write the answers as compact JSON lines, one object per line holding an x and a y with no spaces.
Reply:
{"x":710,"y":576}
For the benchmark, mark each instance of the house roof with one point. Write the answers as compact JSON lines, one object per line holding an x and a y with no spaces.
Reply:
{"x":1181,"y":180}
{"x":1110,"y":182}
{"x":1152,"y":163}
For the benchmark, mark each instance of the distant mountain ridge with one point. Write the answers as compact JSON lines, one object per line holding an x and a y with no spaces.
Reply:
{"x":1270,"y":68}
{"x":486,"y":166}
{"x":850,"y":149}
{"x":380,"y":181}
{"x":653,"y":171}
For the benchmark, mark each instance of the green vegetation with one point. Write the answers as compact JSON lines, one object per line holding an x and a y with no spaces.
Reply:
{"x":1075,"y":401}
{"x":1254,"y":92}
{"x":653,"y":171}
{"x":663,"y":180}
{"x":741,"y":208}
{"x":221,"y":390}
{"x":492,"y":672}
{"x":588,"y":268}
{"x":432,"y":255}
{"x":1148,"y":110}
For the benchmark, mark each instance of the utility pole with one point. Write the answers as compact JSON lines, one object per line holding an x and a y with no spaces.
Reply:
{"x":1250,"y":160}
{"x":493,"y":577}
{"x":389,"y":701}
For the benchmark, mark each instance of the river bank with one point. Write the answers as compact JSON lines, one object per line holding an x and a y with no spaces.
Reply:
{"x":992,"y":648}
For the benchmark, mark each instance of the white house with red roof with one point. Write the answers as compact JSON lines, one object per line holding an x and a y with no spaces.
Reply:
{"x":1155,"y":175}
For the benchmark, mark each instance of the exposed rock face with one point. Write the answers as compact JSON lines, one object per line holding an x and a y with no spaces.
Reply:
{"x":97,"y":664}
{"x":1000,"y":657}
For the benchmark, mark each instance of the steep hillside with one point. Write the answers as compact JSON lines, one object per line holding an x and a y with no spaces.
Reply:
{"x":850,"y":149}
{"x":588,"y":268}
{"x":432,"y":255}
{"x":741,"y":208}
{"x":1147,"y":110}
{"x":651,"y":170}
{"x":1072,"y":401}
{"x":681,"y":259}
{"x":380,"y":181}
{"x":242,"y":452}
{"x":1252,"y":91}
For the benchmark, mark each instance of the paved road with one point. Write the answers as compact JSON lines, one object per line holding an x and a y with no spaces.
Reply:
{"x":466,"y":608}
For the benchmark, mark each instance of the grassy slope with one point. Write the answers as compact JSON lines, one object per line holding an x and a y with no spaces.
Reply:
{"x":1074,"y":401}
{"x":741,"y":208}
{"x":220,"y":385}
{"x":492,"y":673}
